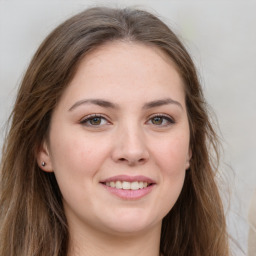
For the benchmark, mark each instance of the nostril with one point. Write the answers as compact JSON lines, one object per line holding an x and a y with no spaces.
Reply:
{"x":131,"y":161}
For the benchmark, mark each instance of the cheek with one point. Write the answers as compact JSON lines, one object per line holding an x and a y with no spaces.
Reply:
{"x":171,"y":158}
{"x":172,"y":162}
{"x":172,"y":155}
{"x":66,"y":152}
{"x":77,"y":154}
{"x":75,"y":163}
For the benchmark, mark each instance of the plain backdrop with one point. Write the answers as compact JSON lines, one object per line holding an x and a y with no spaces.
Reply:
{"x":220,"y":36}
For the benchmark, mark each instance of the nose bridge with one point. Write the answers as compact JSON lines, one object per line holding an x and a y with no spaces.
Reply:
{"x":131,"y":146}
{"x":133,"y":137}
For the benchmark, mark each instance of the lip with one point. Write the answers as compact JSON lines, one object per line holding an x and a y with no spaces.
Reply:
{"x":128,"y":194}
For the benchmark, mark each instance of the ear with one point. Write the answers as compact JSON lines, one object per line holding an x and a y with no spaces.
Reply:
{"x":188,"y":158}
{"x":44,"y":159}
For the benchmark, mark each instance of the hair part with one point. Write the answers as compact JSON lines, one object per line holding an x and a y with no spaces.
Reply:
{"x":31,"y":202}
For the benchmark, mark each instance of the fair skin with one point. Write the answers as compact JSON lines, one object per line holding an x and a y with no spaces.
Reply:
{"x":119,"y":147}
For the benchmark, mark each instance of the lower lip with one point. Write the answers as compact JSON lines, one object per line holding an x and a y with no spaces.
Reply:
{"x":130,"y":194}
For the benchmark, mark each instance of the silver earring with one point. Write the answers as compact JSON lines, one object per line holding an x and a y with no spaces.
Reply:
{"x":43,"y":164}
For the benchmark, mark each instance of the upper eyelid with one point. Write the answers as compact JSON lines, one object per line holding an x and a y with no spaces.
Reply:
{"x":94,"y":115}
{"x":161,"y":115}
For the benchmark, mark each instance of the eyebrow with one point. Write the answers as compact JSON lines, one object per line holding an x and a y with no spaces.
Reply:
{"x":99,"y":102}
{"x":108,"y":104}
{"x":161,"y":102}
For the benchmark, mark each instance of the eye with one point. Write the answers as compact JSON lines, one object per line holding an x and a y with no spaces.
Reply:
{"x":161,"y":120}
{"x":94,"y":120}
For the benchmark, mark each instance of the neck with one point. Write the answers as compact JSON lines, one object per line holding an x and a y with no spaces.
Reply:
{"x":89,"y":242}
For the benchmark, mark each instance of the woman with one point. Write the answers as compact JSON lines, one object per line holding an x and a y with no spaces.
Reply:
{"x":109,"y":147}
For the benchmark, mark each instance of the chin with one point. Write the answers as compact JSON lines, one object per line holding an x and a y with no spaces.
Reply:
{"x":126,"y":229}
{"x":128,"y":224}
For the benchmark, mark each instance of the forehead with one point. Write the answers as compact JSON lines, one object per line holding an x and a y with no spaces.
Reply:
{"x":123,"y":68}
{"x":150,"y":53}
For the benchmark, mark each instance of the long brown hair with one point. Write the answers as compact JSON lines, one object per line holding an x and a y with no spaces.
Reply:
{"x":31,"y":213}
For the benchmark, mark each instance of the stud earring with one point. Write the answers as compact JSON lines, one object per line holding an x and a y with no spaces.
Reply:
{"x":43,"y":164}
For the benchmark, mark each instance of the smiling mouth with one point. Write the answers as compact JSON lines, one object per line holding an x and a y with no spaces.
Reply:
{"x":129,"y":187}
{"x":126,"y":185}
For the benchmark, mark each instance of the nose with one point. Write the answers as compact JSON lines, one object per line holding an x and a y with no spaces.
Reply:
{"x":130,"y":147}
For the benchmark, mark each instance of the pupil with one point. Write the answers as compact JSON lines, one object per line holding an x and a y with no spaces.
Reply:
{"x":157,"y":120}
{"x":96,"y":120}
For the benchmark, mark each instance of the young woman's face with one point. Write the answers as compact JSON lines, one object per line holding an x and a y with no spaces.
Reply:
{"x":119,"y":140}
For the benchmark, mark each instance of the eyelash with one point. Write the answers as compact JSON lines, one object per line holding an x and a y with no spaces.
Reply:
{"x":89,"y":118}
{"x":169,"y":119}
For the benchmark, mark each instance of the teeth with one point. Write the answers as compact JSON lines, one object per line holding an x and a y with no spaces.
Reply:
{"x":126,"y":185}
{"x":135,"y":185}
{"x":118,"y":184}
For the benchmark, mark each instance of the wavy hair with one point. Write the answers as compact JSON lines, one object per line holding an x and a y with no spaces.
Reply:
{"x":32,"y":218}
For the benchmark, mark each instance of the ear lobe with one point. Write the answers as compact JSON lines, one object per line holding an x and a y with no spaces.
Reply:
{"x":43,"y":158}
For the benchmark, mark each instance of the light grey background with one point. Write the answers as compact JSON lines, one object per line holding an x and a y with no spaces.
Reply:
{"x":221,"y":37}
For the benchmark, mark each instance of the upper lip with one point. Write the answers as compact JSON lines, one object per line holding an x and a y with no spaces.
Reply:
{"x":128,"y":178}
